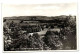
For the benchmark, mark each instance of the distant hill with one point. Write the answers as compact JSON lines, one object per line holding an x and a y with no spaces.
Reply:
{"x":36,"y":17}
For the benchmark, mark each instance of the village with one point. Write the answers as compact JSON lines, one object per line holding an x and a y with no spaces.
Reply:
{"x":23,"y":33}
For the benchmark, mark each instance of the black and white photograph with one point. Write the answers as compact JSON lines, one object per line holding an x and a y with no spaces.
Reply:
{"x":39,"y":27}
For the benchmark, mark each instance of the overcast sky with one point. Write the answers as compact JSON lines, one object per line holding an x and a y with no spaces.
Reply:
{"x":39,"y":9}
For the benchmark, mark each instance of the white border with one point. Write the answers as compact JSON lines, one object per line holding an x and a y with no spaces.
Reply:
{"x":41,"y":2}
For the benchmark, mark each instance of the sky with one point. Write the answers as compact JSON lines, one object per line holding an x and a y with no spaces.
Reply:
{"x":54,"y":9}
